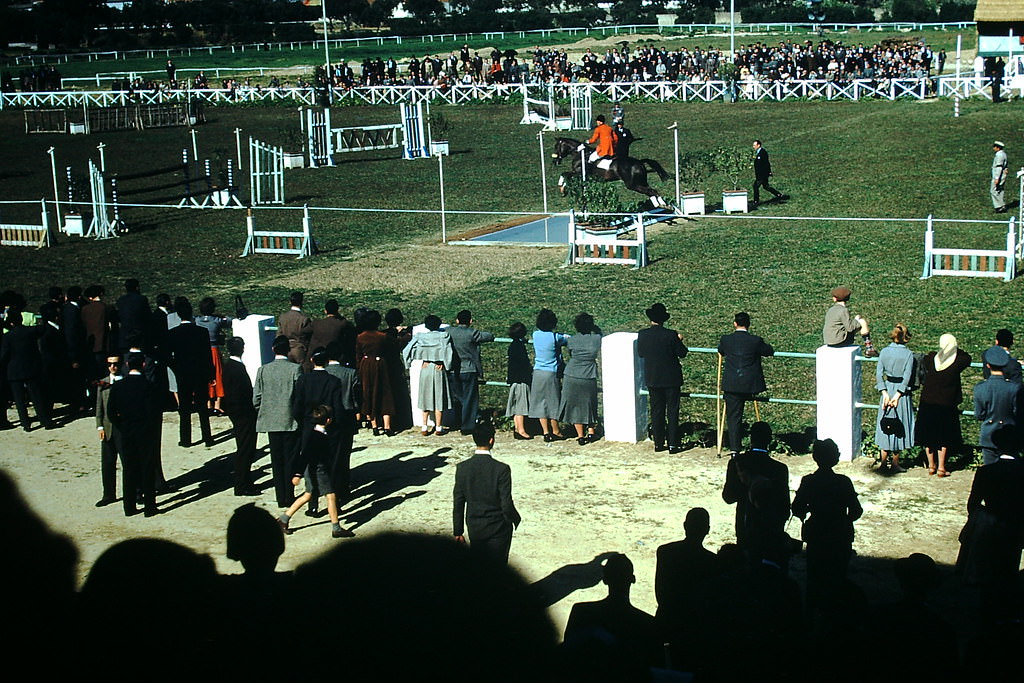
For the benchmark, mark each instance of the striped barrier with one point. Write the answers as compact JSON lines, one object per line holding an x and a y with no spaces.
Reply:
{"x":594,"y":245}
{"x":1000,"y":263}
{"x":27,"y":235}
{"x":280,"y":241}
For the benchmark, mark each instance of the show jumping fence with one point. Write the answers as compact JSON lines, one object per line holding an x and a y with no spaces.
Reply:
{"x":266,"y":173}
{"x":1000,"y":263}
{"x":46,"y":121}
{"x":299,"y":243}
{"x":27,"y":235}
{"x":323,"y":141}
{"x":607,"y":245}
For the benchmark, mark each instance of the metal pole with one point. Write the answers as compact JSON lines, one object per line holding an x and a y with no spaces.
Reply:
{"x":327,"y":52}
{"x":675,"y":139}
{"x":238,"y":147}
{"x":103,"y":157}
{"x":732,"y":31}
{"x":440,"y":173}
{"x":53,"y":169}
{"x":543,"y":171}
{"x":195,"y":148}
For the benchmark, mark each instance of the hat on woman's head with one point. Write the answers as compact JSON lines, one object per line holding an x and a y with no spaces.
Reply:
{"x":947,"y":352}
{"x":657,"y":313}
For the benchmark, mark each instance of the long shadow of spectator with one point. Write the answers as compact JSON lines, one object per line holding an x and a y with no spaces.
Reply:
{"x":375,"y":484}
{"x":570,"y":578}
{"x":210,"y":478}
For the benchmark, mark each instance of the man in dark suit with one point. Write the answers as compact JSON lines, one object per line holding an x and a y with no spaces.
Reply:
{"x":132,"y":410}
{"x":1012,"y":369}
{"x":19,"y":355}
{"x":759,"y":486}
{"x":742,"y":374}
{"x":331,"y":328}
{"x":683,"y":568}
{"x":762,"y":172}
{"x":661,"y":348}
{"x":107,"y":432}
{"x":79,"y":356}
{"x":188,"y":354}
{"x":237,"y":403}
{"x":997,"y":403}
{"x":132,"y":313}
{"x":466,"y":372}
{"x":313,"y":389}
{"x":97,"y":317}
{"x":614,"y":621}
{"x":483,"y":499}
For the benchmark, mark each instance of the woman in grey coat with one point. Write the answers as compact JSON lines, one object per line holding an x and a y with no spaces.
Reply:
{"x":433,"y":349}
{"x":579,"y":386}
{"x":893,"y":377}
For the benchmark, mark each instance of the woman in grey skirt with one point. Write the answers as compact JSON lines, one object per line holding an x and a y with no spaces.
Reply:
{"x":545,"y":389}
{"x":433,"y":349}
{"x":893,"y":377}
{"x":579,"y":388}
{"x":518,"y":378}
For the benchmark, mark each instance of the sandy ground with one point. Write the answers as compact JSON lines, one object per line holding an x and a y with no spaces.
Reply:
{"x":577,"y":503}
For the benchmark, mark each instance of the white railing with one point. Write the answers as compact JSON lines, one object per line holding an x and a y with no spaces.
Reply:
{"x":661,"y":91}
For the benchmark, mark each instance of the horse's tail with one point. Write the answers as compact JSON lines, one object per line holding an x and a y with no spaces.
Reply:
{"x":656,"y":167}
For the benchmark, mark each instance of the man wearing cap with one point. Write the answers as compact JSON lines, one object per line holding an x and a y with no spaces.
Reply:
{"x":661,"y":348}
{"x":840,"y":329}
{"x":1012,"y":371}
{"x":997,"y":403}
{"x":998,"y":177}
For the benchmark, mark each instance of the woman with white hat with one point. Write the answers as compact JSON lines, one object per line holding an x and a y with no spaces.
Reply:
{"x":938,"y":416}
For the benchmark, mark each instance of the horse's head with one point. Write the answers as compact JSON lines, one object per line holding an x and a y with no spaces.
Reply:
{"x":564,"y":147}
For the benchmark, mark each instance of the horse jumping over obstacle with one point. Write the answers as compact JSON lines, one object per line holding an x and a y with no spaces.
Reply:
{"x":632,"y":172}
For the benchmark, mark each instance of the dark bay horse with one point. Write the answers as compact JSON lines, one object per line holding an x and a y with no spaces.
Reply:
{"x":632,"y":172}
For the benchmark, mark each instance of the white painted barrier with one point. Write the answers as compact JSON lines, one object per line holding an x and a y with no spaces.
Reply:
{"x":279,"y":241}
{"x":266,"y":173}
{"x":838,"y":382}
{"x":27,"y":235}
{"x":1000,"y":263}
{"x":581,"y":107}
{"x":625,"y":409}
{"x":101,"y":226}
{"x":590,"y":245}
{"x":259,"y":340}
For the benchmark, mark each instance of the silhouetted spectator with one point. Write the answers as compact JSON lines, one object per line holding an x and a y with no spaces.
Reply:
{"x":237,"y":404}
{"x":683,"y":567}
{"x":132,"y":313}
{"x":832,"y":504}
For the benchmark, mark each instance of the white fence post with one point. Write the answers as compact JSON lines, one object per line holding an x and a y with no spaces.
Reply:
{"x":625,"y":410}
{"x":929,"y":244}
{"x":838,"y":381}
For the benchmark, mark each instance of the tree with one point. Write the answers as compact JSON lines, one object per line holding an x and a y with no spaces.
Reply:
{"x":635,"y":12}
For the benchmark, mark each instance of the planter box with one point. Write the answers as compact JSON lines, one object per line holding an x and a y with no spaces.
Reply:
{"x":693,"y":204}
{"x":221,"y":197}
{"x":73,"y":224}
{"x":292,"y":160}
{"x":438,"y":148}
{"x":563,"y":123}
{"x":76,"y":128}
{"x":734,"y":201}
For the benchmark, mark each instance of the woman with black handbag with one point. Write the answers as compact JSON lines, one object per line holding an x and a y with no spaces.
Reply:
{"x":894,"y":376}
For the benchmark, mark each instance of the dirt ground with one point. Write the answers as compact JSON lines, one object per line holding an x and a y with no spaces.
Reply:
{"x":577,"y":503}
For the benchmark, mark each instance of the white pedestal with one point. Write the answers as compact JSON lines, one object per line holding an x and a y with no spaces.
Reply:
{"x":693,"y":204}
{"x":259,"y":341}
{"x":73,"y":224}
{"x":838,"y":392}
{"x":734,"y":201}
{"x":625,"y":410}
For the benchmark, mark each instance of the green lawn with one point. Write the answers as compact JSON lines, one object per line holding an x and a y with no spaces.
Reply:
{"x":882,"y":159}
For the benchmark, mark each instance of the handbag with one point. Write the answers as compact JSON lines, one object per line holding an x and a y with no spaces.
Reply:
{"x":241,"y":312}
{"x":559,"y":361}
{"x":890,"y":424}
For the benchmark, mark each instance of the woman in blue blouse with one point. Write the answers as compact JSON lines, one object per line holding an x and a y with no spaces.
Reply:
{"x":545,"y":389}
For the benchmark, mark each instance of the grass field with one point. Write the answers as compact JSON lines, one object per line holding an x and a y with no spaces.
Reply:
{"x":841,"y":159}
{"x":414,"y":47}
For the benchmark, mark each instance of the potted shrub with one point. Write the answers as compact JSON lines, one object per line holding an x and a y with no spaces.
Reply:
{"x":294,"y":139}
{"x":733,"y":162}
{"x":693,"y":169}
{"x":438,"y":128}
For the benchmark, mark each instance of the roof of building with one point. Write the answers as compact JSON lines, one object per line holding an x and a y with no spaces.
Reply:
{"x":999,"y":10}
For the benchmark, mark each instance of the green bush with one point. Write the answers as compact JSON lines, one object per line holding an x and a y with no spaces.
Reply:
{"x":695,"y":15}
{"x":594,"y":196}
{"x":912,"y":10}
{"x":957,"y":11}
{"x":296,"y":32}
{"x":732,"y":162}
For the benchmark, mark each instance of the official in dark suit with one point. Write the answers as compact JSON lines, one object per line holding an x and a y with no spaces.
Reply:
{"x":759,"y":486}
{"x":132,"y":409}
{"x":332,"y":328}
{"x":762,"y":172}
{"x":483,"y":499}
{"x":188,"y":354}
{"x":107,"y":432}
{"x":79,"y":358}
{"x":742,"y":374}
{"x":997,"y":403}
{"x":19,"y":354}
{"x":297,"y":327}
{"x":661,"y":348}
{"x":132,"y":313}
{"x":237,"y":403}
